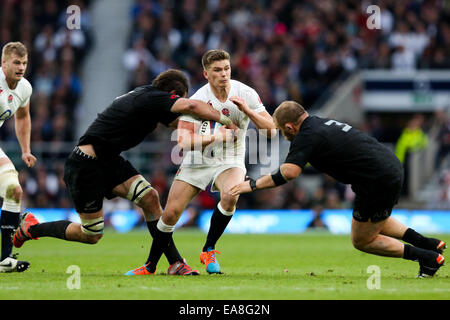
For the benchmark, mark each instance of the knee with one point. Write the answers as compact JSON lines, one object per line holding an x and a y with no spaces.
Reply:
{"x":150,"y":204}
{"x":12,"y":197}
{"x":228,"y":201}
{"x":171,"y":215}
{"x":14,"y":192}
{"x":151,"y":199}
{"x":359,"y":243}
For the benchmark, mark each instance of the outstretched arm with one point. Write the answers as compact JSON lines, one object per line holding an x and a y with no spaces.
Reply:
{"x":262,"y":120}
{"x":286,"y":173}
{"x":201,"y":110}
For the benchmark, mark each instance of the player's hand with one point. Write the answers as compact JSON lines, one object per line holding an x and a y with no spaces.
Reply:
{"x":240,"y":103}
{"x":29,"y":159}
{"x":226,"y":135}
{"x":243,"y":187}
{"x":233,"y":127}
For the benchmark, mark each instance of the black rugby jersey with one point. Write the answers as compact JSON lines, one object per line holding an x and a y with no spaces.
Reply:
{"x":129,"y":119}
{"x":345,"y":153}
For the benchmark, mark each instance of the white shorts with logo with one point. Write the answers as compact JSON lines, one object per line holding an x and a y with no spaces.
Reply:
{"x":201,"y":177}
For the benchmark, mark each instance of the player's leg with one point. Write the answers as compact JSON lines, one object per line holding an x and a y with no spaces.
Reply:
{"x":221,"y":216}
{"x":84,"y":177}
{"x":89,"y":231}
{"x":141,"y":193}
{"x":394,"y":228}
{"x":366,"y":236}
{"x":180,"y":194}
{"x":11,"y":192}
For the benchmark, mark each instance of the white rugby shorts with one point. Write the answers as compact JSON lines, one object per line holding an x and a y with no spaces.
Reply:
{"x":201,"y":177}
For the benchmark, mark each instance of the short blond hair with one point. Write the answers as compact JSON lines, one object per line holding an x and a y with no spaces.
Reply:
{"x":214,"y":55}
{"x":288,"y":111}
{"x":17,"y":48}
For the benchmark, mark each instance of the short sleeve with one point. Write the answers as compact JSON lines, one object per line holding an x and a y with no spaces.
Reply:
{"x":158,"y":104}
{"x":254,"y":101}
{"x":28,"y":90}
{"x":302,"y":149}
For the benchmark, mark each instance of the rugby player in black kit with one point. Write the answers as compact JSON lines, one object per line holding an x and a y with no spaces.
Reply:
{"x":95,"y":170}
{"x":372,"y":170}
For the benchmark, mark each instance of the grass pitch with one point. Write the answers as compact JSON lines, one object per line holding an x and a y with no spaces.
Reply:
{"x":317,"y":266}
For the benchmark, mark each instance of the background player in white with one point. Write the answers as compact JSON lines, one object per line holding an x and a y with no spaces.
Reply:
{"x":15,"y":93}
{"x":224,"y":167}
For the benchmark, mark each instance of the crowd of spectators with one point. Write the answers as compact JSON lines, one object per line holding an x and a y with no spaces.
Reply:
{"x":285,"y":49}
{"x":55,"y":55}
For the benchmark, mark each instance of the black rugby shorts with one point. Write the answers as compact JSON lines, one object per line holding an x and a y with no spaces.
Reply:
{"x":90,"y":180}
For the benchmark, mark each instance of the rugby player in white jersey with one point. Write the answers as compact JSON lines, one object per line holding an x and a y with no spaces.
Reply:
{"x":15,"y":93}
{"x":221,"y":166}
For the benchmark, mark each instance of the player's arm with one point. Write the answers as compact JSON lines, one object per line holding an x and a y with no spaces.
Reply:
{"x":286,"y":173}
{"x":188,"y":139}
{"x":201,"y":110}
{"x":23,"y":132}
{"x":262,"y":120}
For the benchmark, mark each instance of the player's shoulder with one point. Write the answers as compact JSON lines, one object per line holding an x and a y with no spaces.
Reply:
{"x":25,"y":86}
{"x":240,"y":86}
{"x":203,"y":90}
{"x":312,"y":126}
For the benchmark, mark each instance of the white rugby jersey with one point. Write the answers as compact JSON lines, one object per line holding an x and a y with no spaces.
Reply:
{"x":233,"y":153}
{"x":11,"y":100}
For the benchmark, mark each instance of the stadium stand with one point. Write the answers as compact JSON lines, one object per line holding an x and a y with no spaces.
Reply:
{"x":55,"y":57}
{"x":297,"y":50}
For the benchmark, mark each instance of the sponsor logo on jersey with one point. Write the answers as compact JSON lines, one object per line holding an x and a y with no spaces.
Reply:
{"x":10,"y":98}
{"x":174,"y":96}
{"x":226,"y":112}
{"x":5,"y":115}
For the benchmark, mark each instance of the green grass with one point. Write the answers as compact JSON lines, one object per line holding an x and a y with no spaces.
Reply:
{"x":256,"y":267}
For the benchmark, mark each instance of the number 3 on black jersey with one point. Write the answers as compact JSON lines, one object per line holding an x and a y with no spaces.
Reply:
{"x":345,"y":126}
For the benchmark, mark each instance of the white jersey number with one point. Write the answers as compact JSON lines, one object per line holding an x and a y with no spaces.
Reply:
{"x":345,"y":126}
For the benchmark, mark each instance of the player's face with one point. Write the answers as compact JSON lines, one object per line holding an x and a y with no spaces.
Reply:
{"x":14,"y":67}
{"x":219,"y":74}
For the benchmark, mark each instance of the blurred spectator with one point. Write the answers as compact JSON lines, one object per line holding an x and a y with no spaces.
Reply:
{"x":441,"y":199}
{"x":317,"y":222}
{"x":412,"y":139}
{"x":440,"y":131}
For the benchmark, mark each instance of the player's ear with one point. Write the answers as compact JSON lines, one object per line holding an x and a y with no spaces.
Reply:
{"x":205,"y":74}
{"x":289,"y":126}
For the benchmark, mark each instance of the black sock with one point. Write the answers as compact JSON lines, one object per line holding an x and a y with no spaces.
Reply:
{"x":219,"y":222}
{"x":418,"y":254}
{"x":418,"y":240}
{"x":171,"y":251}
{"x":161,"y":241}
{"x":9,"y":221}
{"x":55,"y":229}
